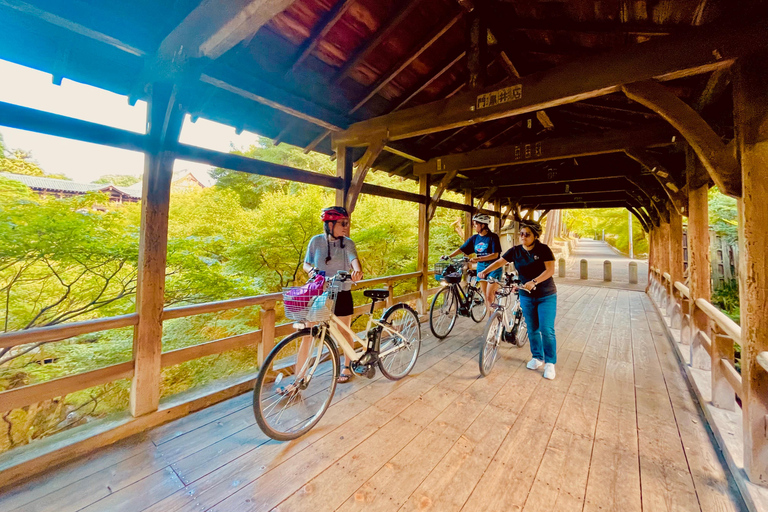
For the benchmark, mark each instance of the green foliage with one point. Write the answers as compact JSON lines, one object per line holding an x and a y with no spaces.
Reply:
{"x":723,"y":215}
{"x":726,"y":297}
{"x":21,"y":162}
{"x":591,"y":222}
{"x":119,"y":180}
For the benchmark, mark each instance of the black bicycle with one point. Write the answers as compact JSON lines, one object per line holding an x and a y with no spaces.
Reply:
{"x":451,"y":300}
{"x":506,"y":322}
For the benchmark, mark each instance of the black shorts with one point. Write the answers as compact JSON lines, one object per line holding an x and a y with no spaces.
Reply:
{"x":344,"y":305}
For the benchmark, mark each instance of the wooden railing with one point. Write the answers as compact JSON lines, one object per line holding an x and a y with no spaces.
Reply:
{"x":264,"y":339}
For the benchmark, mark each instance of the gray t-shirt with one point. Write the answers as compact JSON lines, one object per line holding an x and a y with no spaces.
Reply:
{"x":341,"y":259}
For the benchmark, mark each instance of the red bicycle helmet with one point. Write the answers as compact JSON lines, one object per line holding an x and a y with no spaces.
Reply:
{"x":334,"y":213}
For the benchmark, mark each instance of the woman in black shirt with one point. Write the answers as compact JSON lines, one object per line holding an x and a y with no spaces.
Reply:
{"x":535,"y":263}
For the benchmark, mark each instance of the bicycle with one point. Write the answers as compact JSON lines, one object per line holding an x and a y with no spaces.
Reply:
{"x":505,"y":323}
{"x":289,"y":400}
{"x":451,"y":300}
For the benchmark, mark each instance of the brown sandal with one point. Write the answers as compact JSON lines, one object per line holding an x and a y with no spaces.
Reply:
{"x":344,"y":377}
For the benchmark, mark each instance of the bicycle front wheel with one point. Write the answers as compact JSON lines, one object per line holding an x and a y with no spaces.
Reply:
{"x":400,"y":342}
{"x":295,"y":384}
{"x":489,"y":346}
{"x":443,"y":312}
{"x":478,"y":309}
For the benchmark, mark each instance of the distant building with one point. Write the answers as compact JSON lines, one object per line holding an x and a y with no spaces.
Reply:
{"x":183,"y":181}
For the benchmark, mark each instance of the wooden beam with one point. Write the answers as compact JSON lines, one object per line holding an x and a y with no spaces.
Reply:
{"x":705,"y":50}
{"x":343,"y":171}
{"x":321,"y":28}
{"x":439,"y":192}
{"x":216,"y":26}
{"x":750,"y":98}
{"x":485,"y":197}
{"x":164,"y":120}
{"x":719,"y":162}
{"x":477,"y":42}
{"x":363,"y":165}
{"x":257,"y":90}
{"x":429,"y":80}
{"x":379,"y":36}
{"x":549,"y":149}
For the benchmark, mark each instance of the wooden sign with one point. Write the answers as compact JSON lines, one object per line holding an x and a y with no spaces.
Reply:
{"x":505,"y":95}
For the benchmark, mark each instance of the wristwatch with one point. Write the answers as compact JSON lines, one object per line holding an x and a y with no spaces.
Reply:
{"x":534,"y":281}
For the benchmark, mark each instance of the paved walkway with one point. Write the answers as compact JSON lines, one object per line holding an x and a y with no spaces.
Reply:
{"x":596,"y":252}
{"x":616,"y":430}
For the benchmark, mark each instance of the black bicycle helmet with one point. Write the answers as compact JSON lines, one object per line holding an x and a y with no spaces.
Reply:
{"x":534,"y":226}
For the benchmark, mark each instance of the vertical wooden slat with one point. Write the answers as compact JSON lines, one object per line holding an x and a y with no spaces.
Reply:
{"x":423,"y":250}
{"x":467,"y":215}
{"x":722,"y":392}
{"x":267,"y":315}
{"x":164,"y":119}
{"x":751,"y":122}
{"x":391,"y":288}
{"x":343,"y":171}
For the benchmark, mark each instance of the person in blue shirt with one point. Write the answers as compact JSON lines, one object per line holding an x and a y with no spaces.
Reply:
{"x":486,"y":246}
{"x":535,"y":263}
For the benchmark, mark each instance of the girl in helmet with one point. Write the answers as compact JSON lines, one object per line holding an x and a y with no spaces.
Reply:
{"x":486,"y":246}
{"x":535,"y":263}
{"x":333,"y":251}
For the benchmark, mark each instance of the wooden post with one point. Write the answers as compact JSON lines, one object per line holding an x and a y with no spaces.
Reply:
{"x":343,"y":171}
{"x":391,"y":288}
{"x":663,"y":260}
{"x":497,"y":219}
{"x":469,"y":200}
{"x":422,"y":257}
{"x":699,"y":268}
{"x":675,"y":259}
{"x":267,"y":314}
{"x":164,"y":119}
{"x":722,"y":392}
{"x":750,"y":99}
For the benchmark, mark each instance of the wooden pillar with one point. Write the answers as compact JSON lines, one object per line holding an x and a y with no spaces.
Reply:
{"x":164,"y":119}
{"x":422,"y":257}
{"x":267,"y":330}
{"x":663,"y":259}
{"x":478,"y":49}
{"x":750,"y":99}
{"x":343,"y":171}
{"x":469,"y":200}
{"x":675,"y":245}
{"x":497,"y":219}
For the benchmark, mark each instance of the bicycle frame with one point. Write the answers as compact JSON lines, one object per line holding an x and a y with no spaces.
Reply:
{"x":462,"y":296}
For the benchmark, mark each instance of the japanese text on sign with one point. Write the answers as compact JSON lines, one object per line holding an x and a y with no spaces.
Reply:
{"x":505,"y":95}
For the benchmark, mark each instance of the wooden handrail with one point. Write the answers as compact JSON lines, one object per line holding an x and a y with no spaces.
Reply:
{"x":684,"y":291}
{"x":19,"y":397}
{"x":215,"y":307}
{"x":727,"y":325}
{"x":62,"y":332}
{"x":762,"y":360}
{"x":666,"y":276}
{"x":732,"y":376}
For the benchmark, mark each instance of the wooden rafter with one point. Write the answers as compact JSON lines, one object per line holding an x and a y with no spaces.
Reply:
{"x":671,"y":188}
{"x":719,"y":162}
{"x":429,"y":80}
{"x":396,"y":70}
{"x":216,"y":26}
{"x":706,"y":50}
{"x":319,"y":31}
{"x":405,"y":10}
{"x":549,"y":149}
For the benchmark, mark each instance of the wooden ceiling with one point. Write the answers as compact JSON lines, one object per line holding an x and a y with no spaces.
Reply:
{"x":297,"y":71}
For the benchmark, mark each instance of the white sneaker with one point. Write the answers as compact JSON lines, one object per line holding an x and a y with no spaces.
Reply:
{"x":549,"y":371}
{"x":534,"y":364}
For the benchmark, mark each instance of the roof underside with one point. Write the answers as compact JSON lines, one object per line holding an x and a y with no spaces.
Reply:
{"x":336,"y":62}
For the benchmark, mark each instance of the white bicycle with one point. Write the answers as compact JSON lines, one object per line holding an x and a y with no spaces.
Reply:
{"x":296,"y":383}
{"x":506,"y":322}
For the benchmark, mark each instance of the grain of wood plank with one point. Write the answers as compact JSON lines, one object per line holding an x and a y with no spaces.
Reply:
{"x":139,"y":495}
{"x":562,"y":477}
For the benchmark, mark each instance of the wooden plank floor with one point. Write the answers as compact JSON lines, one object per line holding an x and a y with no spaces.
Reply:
{"x":617,"y":430}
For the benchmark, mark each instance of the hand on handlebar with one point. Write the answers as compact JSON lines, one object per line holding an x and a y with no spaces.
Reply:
{"x":444,"y":257}
{"x":357,"y":275}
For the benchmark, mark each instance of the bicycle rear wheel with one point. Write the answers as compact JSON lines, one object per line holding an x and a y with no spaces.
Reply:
{"x":289,"y":400}
{"x":489,"y":346}
{"x":479,"y":308}
{"x":443,"y":312}
{"x":398,"y":350}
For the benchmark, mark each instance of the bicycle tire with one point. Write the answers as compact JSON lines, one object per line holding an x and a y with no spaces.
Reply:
{"x":405,"y":321}
{"x":489,"y":346}
{"x":478,"y":308}
{"x":314,"y":394}
{"x":437,"y":318}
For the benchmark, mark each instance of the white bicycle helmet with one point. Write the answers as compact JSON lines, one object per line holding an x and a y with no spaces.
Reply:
{"x":482,"y":219}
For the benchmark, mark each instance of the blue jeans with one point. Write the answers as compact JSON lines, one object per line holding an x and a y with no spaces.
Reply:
{"x":539,"y":315}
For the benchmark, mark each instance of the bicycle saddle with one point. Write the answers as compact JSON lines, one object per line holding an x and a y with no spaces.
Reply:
{"x":376,"y":294}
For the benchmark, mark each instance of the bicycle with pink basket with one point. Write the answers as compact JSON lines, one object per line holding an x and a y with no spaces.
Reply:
{"x":297,"y":381}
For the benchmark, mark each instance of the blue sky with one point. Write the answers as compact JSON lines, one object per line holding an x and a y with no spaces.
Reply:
{"x":83,"y":161}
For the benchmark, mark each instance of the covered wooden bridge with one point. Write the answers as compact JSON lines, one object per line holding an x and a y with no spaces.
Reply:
{"x":521,"y":107}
